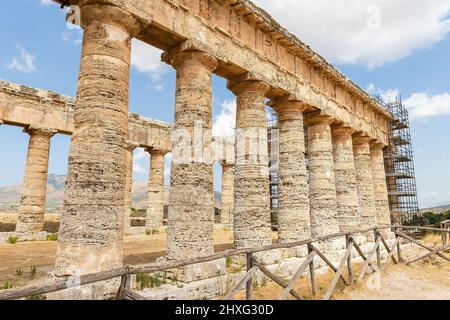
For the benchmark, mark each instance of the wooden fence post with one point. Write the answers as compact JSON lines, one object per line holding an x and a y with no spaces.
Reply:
{"x":249,"y":285}
{"x":377,"y":236}
{"x":348,"y":241}
{"x":399,"y":246}
{"x":312,"y":273}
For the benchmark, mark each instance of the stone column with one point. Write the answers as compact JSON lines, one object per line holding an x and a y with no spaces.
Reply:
{"x":155,"y":211}
{"x":293,"y":217}
{"x":226,"y":215}
{"x":251,"y":177}
{"x":361,"y":151}
{"x":129,"y":186}
{"x":345,"y":173}
{"x":34,"y":189}
{"x":379,"y":184}
{"x":191,"y":203}
{"x":91,"y":232}
{"x":322,"y":184}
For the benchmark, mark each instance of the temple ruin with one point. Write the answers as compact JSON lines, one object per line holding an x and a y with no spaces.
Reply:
{"x":331,"y":180}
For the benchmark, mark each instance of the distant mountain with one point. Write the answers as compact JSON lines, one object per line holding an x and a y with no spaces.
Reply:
{"x":436,"y":210}
{"x":10,"y":195}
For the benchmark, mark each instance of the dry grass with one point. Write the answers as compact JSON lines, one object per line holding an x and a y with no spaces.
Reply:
{"x":271,"y":291}
{"x":432,"y":239}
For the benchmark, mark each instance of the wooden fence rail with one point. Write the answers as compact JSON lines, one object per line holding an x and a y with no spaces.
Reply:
{"x":125,"y":291}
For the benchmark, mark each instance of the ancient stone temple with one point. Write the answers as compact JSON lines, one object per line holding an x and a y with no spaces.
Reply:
{"x":331,"y":181}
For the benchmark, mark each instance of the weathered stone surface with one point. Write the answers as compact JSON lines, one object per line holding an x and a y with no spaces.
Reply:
{"x":251,"y":176}
{"x":24,"y":107}
{"x":155,"y":211}
{"x":128,"y":186}
{"x":345,"y":174}
{"x":226,"y":207}
{"x":379,"y":184}
{"x":322,"y":185}
{"x":91,"y":231}
{"x":361,"y":151}
{"x":34,"y":189}
{"x":294,"y":210}
{"x":244,"y":38}
{"x":190,"y":223}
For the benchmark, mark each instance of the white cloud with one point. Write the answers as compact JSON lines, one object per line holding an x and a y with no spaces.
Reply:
{"x":47,"y":2}
{"x":73,"y":37}
{"x":225,"y":123}
{"x":424,"y":105}
{"x":25,"y":62}
{"x":147,"y":59}
{"x":141,"y":161}
{"x":363,"y":32}
{"x":420,"y":105}
{"x":387,"y":96}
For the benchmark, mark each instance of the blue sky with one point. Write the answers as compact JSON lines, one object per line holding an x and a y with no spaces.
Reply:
{"x":382,"y":48}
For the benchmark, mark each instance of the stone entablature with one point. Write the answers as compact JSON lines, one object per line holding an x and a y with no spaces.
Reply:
{"x":24,"y":106}
{"x":246,"y":39}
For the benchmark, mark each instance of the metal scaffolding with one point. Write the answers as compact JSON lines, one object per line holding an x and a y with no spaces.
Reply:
{"x":273,"y":140}
{"x":399,"y":165}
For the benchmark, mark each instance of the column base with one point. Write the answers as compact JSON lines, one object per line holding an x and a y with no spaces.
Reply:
{"x":6,"y":237}
{"x":198,"y":271}
{"x":105,"y":290}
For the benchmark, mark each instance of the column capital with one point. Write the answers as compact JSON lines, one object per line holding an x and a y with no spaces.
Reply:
{"x":156,"y":152}
{"x":246,"y":83}
{"x":131,"y":145}
{"x":376,"y":145}
{"x":109,"y":14}
{"x":342,"y":130}
{"x":361,"y":138}
{"x":225,"y":164}
{"x":318,"y":118}
{"x":288,"y":107}
{"x":39,"y":130}
{"x":179,"y":57}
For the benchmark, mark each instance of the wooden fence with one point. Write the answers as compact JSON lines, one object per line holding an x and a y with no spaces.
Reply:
{"x":253,"y":265}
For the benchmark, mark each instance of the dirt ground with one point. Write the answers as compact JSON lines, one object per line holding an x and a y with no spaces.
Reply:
{"x":428,"y":279}
{"x":29,"y":263}
{"x":17,"y":261}
{"x":419,"y":282}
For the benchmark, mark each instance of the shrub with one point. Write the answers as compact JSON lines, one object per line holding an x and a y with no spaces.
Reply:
{"x":134,"y":213}
{"x":13,"y":239}
{"x":145,"y":280}
{"x":19,"y":272}
{"x":52,"y":237}
{"x":33,"y":270}
{"x":7,"y":285}
{"x":229,"y":262}
{"x":151,"y":232}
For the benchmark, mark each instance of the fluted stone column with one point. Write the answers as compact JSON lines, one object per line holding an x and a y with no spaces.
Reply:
{"x":251,"y":177}
{"x":322,"y":179}
{"x":361,"y":151}
{"x":155,"y":211}
{"x":91,"y":232}
{"x":129,"y":186}
{"x":34,"y":189}
{"x":227,"y":202}
{"x":345,"y":173}
{"x":379,"y":184}
{"x":191,"y":203}
{"x":293,"y":217}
